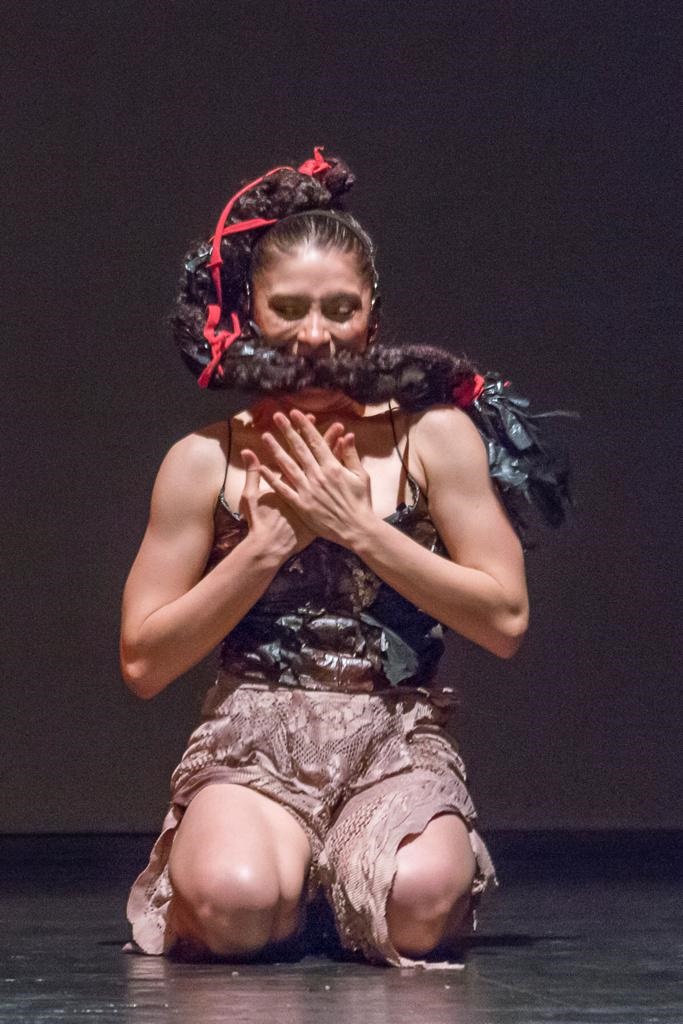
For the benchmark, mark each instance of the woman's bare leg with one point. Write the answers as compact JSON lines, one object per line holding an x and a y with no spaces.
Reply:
{"x":238,"y":865}
{"x":431,"y":895}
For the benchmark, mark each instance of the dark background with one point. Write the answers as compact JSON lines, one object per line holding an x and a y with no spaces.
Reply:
{"x":516,"y":165}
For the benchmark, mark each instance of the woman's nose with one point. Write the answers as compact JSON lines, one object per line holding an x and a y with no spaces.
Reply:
{"x":313,"y":329}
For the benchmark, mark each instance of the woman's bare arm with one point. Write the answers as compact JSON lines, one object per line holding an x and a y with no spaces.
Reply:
{"x":481,"y":591}
{"x":171,"y":616}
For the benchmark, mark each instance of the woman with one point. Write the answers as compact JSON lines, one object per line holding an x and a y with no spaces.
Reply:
{"x":323,"y":536}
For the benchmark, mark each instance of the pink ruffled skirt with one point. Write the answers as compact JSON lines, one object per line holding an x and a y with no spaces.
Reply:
{"x":359,"y":772}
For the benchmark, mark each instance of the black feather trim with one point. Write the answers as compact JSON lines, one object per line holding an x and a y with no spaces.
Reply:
{"x":525,"y":466}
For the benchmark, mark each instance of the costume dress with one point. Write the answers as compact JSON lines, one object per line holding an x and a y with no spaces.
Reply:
{"x":327,"y":701}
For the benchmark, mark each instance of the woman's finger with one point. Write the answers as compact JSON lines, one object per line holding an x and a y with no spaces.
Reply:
{"x":332,"y":435}
{"x":288,"y":465}
{"x":349,"y":453}
{"x":252,"y":466}
{"x":297,"y":445}
{"x":314,"y":439}
{"x":279,"y":486}
{"x":306,"y":441}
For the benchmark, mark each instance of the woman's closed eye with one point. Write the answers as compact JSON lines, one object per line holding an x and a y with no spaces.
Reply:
{"x":290,"y":310}
{"x":337,"y":307}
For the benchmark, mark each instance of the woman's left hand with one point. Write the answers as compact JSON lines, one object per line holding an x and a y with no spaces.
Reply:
{"x":328,"y":488}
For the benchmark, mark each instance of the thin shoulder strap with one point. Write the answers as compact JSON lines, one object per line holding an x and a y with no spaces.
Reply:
{"x":227,"y":461}
{"x":413,"y":482}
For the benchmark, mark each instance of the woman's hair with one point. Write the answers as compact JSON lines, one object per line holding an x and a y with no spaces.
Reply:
{"x":307,"y":209}
{"x":306,"y":206}
{"x":324,"y":229}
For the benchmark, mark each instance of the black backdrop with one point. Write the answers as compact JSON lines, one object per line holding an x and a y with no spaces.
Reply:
{"x":516,"y":164}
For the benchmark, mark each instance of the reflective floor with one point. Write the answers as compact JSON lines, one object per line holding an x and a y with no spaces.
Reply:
{"x":585,"y":927}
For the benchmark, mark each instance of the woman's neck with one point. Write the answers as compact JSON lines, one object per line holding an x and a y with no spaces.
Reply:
{"x":325,"y":404}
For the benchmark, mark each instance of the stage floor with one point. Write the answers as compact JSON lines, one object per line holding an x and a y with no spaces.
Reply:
{"x":586,"y":927}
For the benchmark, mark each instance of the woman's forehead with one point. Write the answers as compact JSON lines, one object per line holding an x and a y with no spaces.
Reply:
{"x":311,"y":267}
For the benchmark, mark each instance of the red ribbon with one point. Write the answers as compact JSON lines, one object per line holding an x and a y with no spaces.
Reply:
{"x":468,"y":390}
{"x":220,"y":341}
{"x":317,"y":164}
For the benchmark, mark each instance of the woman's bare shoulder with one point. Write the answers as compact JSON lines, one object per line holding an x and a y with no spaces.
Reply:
{"x":438,"y":420}
{"x":196,"y":459}
{"x":446,"y":435}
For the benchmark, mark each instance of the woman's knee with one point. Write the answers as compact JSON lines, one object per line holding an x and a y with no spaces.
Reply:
{"x":234,"y":907}
{"x":237,"y":869}
{"x":431,"y":892}
{"x":416,"y":931}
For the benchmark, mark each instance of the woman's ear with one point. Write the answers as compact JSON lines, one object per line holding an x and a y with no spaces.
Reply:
{"x":372,"y":334}
{"x":373,"y":318}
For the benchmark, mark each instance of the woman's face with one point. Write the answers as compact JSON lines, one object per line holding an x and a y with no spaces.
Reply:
{"x":312,"y":299}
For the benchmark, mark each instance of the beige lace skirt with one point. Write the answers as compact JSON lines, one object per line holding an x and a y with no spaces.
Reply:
{"x":359,"y":772}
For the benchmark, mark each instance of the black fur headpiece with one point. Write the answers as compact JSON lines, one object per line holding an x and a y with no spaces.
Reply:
{"x":526,"y":468}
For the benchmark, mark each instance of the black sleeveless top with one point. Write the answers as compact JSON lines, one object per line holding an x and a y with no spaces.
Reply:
{"x":327,"y":621}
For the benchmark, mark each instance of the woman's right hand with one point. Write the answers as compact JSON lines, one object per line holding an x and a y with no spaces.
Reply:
{"x":270,"y":518}
{"x":271,"y":521}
